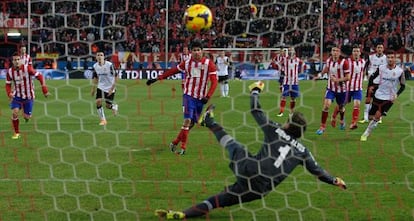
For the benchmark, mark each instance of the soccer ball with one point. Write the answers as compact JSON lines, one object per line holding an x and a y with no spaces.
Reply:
{"x":253,"y":9}
{"x":198,"y":18}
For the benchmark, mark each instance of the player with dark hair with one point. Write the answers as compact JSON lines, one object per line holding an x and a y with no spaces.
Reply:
{"x":290,"y":84}
{"x":357,"y":69}
{"x":337,"y":69}
{"x":374,"y":61}
{"x":104,"y":86}
{"x":20,"y":90}
{"x":223,"y":62}
{"x":257,"y":175}
{"x":390,"y":77}
{"x":199,"y":71}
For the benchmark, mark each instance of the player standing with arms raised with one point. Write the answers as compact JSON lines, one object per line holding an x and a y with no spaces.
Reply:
{"x":104,"y":81}
{"x":20,"y":90}
{"x":223,"y":63}
{"x":390,"y":76}
{"x":374,"y":61}
{"x":290,"y":85}
{"x":357,"y":70}
{"x":337,"y":69}
{"x":199,"y":72}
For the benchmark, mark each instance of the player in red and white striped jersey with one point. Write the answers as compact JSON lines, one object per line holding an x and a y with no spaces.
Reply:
{"x":199,"y":71}
{"x":24,"y":57}
{"x":185,"y":55}
{"x":20,"y":90}
{"x":337,"y":69}
{"x":277,"y":64}
{"x":357,"y":70}
{"x":290,"y":84}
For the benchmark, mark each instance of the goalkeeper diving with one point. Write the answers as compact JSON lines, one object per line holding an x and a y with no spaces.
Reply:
{"x":257,"y":175}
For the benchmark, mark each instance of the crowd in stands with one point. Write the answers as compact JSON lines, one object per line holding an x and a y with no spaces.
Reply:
{"x":368,"y":22}
{"x":140,"y":25}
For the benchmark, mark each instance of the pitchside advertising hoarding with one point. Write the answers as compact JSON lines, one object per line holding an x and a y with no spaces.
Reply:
{"x":245,"y":74}
{"x":250,"y":66}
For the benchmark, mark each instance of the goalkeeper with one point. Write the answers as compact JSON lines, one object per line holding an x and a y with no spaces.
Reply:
{"x":258,"y":174}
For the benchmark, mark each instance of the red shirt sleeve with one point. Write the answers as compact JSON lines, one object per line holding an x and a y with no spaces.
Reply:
{"x":346,"y":67}
{"x":212,"y":72}
{"x":8,"y":82}
{"x":168,"y":73}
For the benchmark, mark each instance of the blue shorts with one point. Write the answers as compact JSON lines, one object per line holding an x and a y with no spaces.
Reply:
{"x":290,"y":90}
{"x":354,"y":95}
{"x":26,"y":104}
{"x":192,"y":108}
{"x":339,"y":97}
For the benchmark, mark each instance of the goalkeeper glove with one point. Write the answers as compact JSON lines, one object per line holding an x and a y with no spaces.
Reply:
{"x":340,"y":183}
{"x":258,"y":86}
{"x":151,"y":81}
{"x":204,"y":100}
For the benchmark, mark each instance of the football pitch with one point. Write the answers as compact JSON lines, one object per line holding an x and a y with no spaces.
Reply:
{"x":67,"y":167}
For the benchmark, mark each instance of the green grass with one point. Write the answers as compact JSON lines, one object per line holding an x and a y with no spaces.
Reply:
{"x":67,"y":167}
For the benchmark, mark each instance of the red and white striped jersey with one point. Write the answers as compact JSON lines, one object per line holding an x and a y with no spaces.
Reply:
{"x":356,"y":68}
{"x":26,"y":59}
{"x":337,"y":69}
{"x":184,"y":57}
{"x":277,"y":62}
{"x":197,"y":76}
{"x":292,"y":66}
{"x":22,"y":81}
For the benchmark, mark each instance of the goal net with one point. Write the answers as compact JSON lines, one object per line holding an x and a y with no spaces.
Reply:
{"x":67,"y":167}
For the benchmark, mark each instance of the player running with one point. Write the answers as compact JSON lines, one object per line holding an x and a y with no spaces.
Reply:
{"x":104,"y":86}
{"x":20,"y":90}
{"x":199,"y":71}
{"x":390,"y":76}
{"x":374,"y":61}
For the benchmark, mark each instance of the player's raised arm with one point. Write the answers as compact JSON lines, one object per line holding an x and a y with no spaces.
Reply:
{"x":312,"y":166}
{"x":166,"y":74}
{"x":257,"y":112}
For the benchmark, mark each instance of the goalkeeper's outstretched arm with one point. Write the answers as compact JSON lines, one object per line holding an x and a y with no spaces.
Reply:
{"x":312,"y":166}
